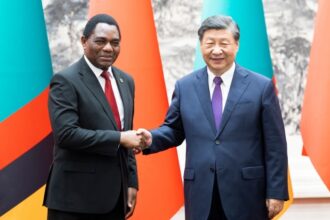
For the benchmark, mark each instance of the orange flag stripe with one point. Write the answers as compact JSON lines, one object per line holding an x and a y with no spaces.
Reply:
{"x":315,"y":124}
{"x":17,"y":137}
{"x":161,"y":192}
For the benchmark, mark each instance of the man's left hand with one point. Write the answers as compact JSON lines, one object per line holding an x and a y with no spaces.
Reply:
{"x":131,"y":201}
{"x":274,"y":207}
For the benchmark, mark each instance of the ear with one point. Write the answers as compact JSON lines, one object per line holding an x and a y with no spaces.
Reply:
{"x":237,"y":46}
{"x":200,"y":43}
{"x":83,"y":41}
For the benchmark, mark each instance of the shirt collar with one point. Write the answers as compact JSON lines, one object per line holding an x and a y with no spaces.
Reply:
{"x":97,"y":71}
{"x":226,"y":76}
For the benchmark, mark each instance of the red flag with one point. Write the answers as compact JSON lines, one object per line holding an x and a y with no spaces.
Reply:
{"x":161,"y":192}
{"x":315,"y":124}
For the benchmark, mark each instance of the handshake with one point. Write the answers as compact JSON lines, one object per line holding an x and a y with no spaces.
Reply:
{"x":137,"y":140}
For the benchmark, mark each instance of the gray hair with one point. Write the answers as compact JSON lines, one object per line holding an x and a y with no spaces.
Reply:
{"x":219,"y":22}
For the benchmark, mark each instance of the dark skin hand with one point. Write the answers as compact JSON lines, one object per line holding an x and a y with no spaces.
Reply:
{"x":131,"y":201}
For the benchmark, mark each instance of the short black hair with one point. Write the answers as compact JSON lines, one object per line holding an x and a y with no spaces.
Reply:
{"x":219,"y":22}
{"x":99,"y":18}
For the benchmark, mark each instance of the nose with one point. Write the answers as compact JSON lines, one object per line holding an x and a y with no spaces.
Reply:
{"x":108,"y":47}
{"x":217,"y":49}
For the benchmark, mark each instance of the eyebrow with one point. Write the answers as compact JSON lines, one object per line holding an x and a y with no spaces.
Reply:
{"x":104,"y":38}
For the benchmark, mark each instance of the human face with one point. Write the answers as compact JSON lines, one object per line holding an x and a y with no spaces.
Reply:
{"x":103,"y":45}
{"x":219,"y":49}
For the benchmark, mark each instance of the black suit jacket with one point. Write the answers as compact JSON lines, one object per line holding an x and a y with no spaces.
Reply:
{"x":90,"y":168}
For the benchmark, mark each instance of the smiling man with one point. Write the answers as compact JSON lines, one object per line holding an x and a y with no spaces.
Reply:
{"x":236,"y":158}
{"x":93,"y":174}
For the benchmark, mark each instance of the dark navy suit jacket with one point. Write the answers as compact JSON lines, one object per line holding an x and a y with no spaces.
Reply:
{"x":248,"y":154}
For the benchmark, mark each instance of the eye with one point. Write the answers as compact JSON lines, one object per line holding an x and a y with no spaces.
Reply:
{"x":115,"y":43}
{"x":226,"y":42}
{"x":209,"y":44}
{"x":100,"y":41}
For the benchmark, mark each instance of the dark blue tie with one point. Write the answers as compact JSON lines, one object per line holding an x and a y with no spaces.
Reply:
{"x":217,"y":102}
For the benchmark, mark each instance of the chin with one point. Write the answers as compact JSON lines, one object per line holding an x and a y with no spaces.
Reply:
{"x":104,"y":66}
{"x":218,"y":68}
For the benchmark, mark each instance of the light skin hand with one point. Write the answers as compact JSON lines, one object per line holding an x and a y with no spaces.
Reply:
{"x":147,"y":137}
{"x":274,"y":206}
{"x":131,"y":201}
{"x":130,"y":139}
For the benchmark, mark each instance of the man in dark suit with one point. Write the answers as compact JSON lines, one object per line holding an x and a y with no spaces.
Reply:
{"x":236,"y":157}
{"x":93,"y":175}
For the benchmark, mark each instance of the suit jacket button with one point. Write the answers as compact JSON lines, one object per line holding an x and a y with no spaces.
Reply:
{"x":212,"y":169}
{"x":217,"y":142}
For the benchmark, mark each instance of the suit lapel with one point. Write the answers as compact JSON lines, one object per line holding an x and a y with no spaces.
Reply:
{"x":237,"y":89}
{"x":92,"y":83}
{"x":124,"y":91}
{"x":203,"y":93}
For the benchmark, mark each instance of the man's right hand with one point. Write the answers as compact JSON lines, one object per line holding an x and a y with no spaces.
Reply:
{"x":131,"y":139}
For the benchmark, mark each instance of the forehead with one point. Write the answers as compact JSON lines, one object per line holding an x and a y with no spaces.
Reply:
{"x":218,"y":34}
{"x":104,"y":30}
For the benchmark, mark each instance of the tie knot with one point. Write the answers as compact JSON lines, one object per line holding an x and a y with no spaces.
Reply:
{"x":217,"y":80}
{"x":105,"y":75}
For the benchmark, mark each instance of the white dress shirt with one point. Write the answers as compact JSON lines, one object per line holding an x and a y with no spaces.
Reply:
{"x":98,"y":72}
{"x":227,"y":78}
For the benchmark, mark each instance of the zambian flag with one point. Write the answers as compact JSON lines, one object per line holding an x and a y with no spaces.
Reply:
{"x":25,"y":133}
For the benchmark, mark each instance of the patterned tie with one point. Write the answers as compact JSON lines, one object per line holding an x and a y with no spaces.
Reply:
{"x":217,"y":102}
{"x":111,"y":97}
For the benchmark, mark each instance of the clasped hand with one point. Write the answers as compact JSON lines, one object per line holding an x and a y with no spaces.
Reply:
{"x":136,"y":139}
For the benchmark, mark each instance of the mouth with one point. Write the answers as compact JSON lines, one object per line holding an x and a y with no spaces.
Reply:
{"x":217,"y":60}
{"x":106,"y":58}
